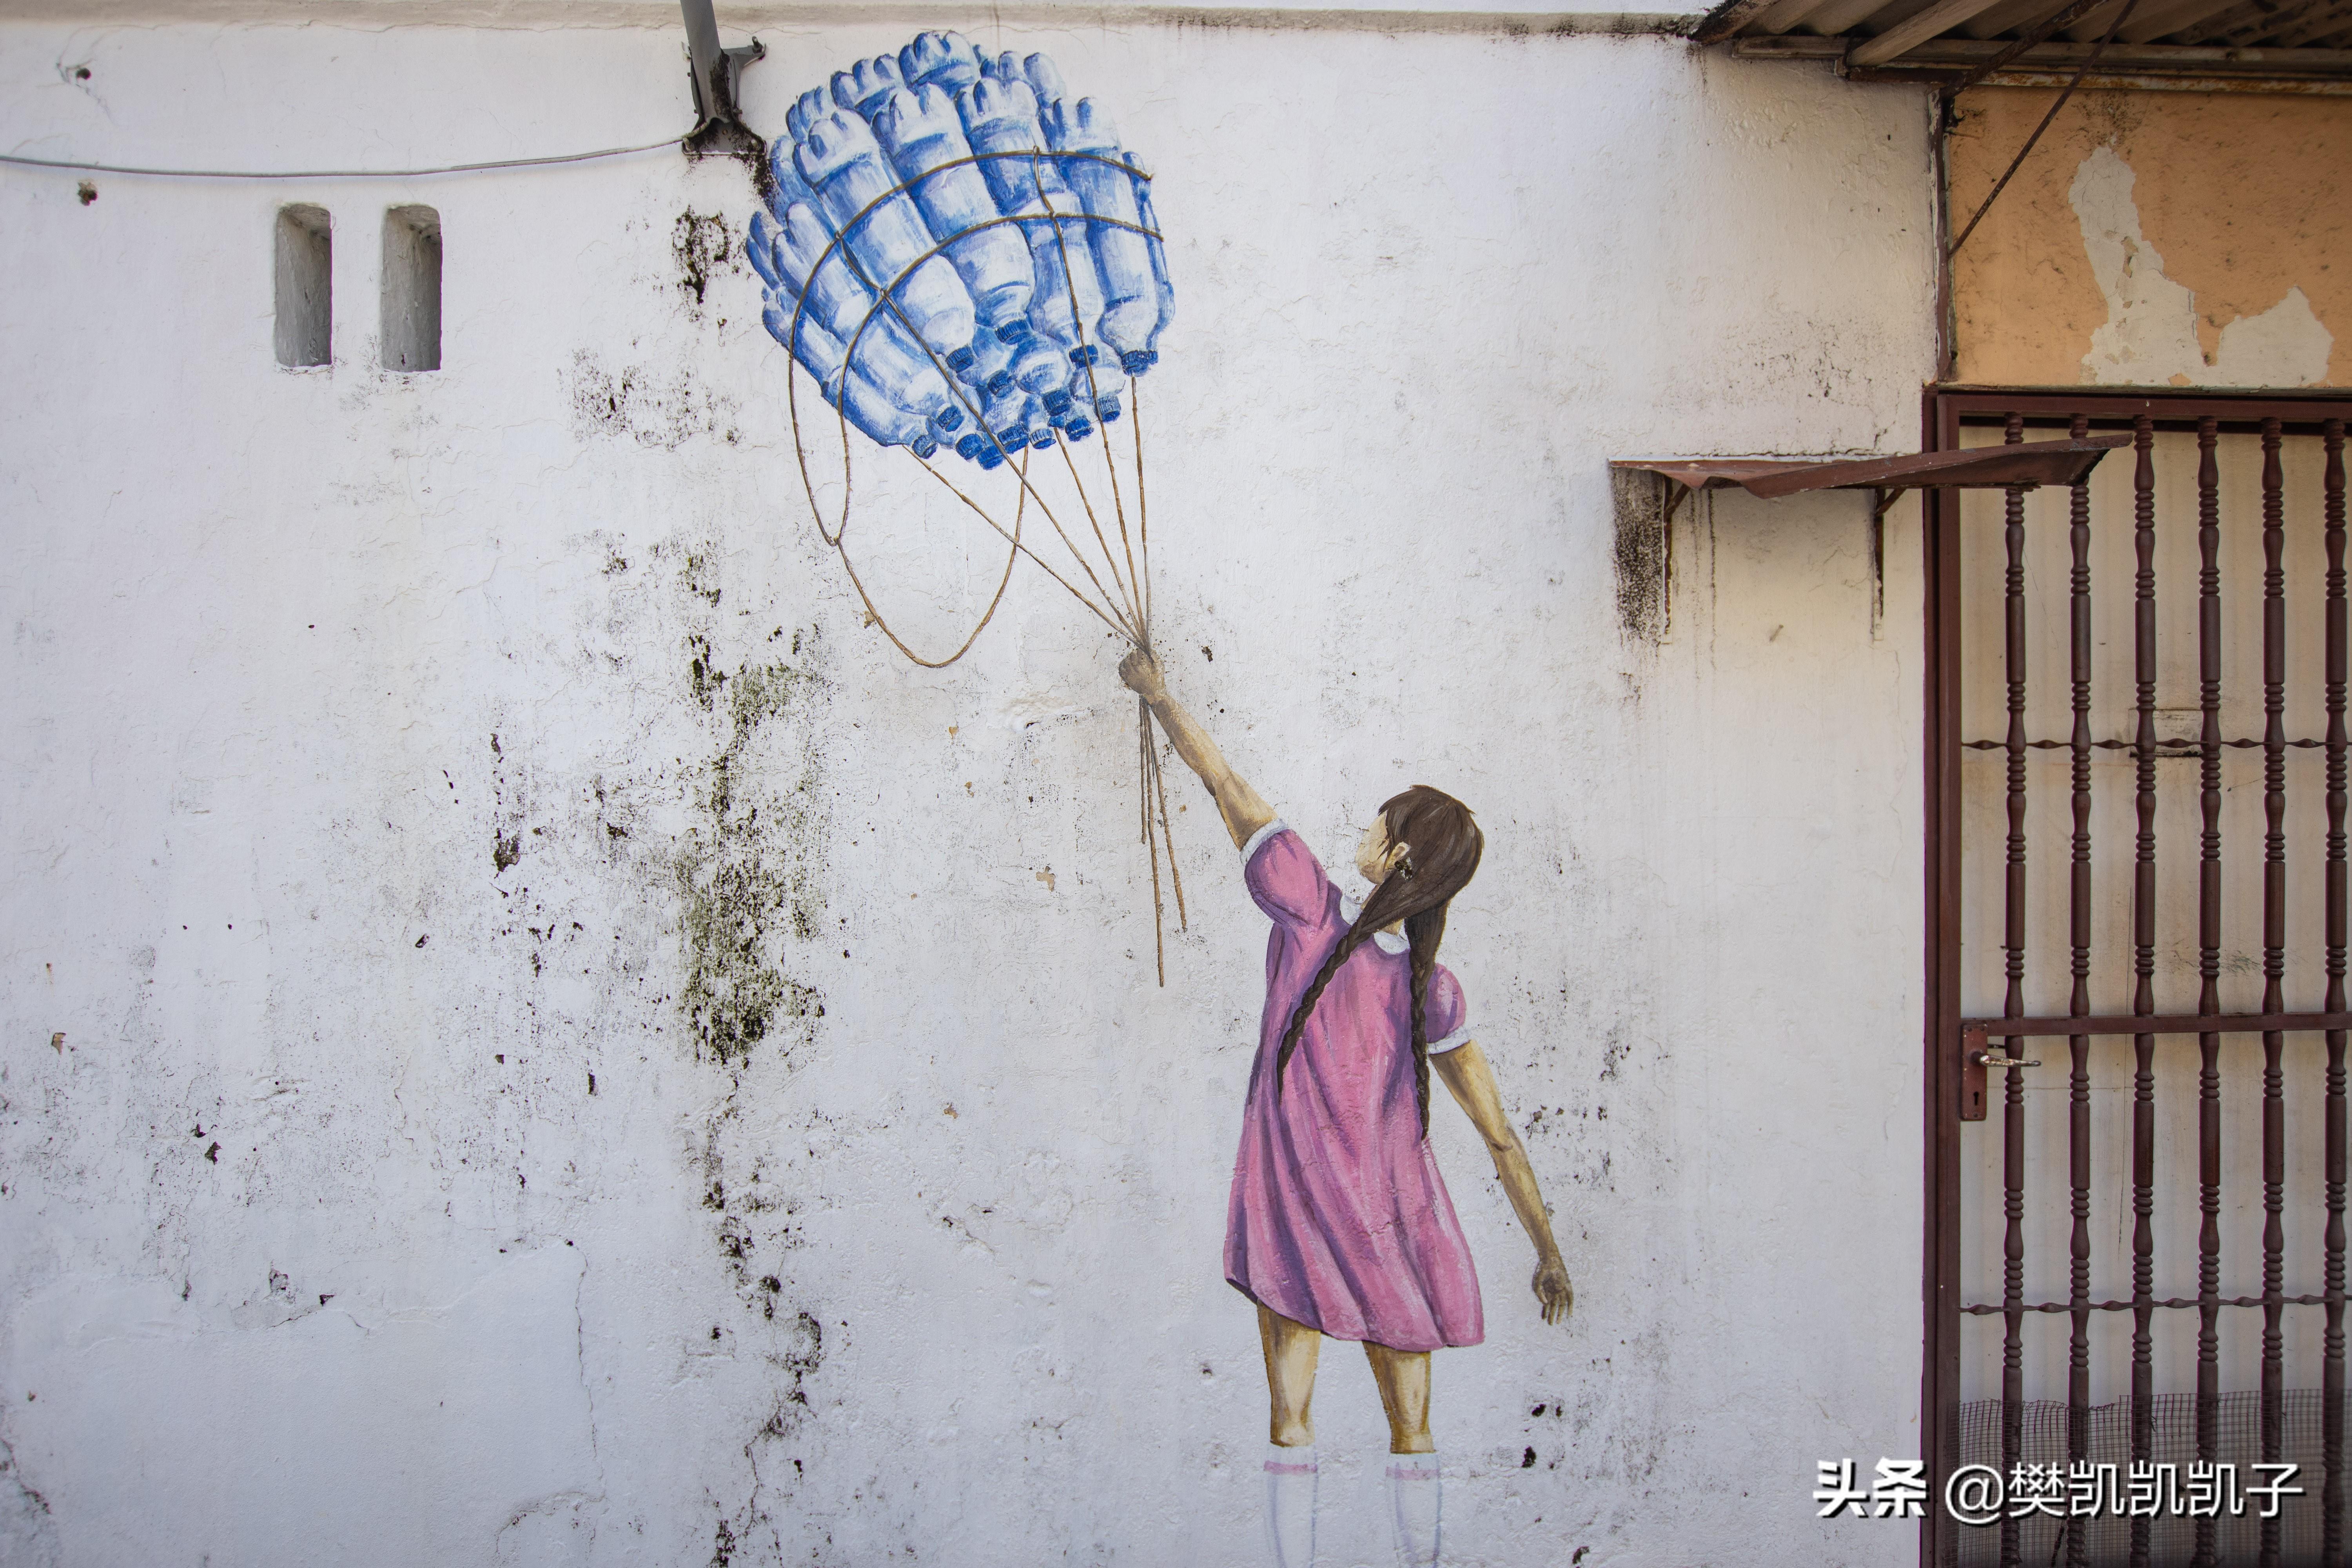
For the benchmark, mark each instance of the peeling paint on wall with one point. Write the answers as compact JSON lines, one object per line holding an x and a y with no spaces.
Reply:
{"x":2157,"y":238}
{"x":2150,"y":337}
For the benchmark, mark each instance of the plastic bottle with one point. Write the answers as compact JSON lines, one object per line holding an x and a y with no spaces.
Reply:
{"x":1007,"y":418}
{"x":1001,"y":117}
{"x":1043,"y":79}
{"x":1093,"y":165}
{"x":1035,"y":361}
{"x":1159,"y":252}
{"x":1097,"y":386}
{"x":924,"y":137}
{"x":1004,"y":431}
{"x":1043,"y":371}
{"x":863,"y":86}
{"x":1041,"y":428}
{"x":806,"y":110}
{"x":992,"y":367}
{"x":821,"y":353}
{"x":785,"y":186}
{"x":841,"y":160}
{"x":923,"y":395}
{"x":1069,"y":303}
{"x":798,"y":249}
{"x":945,"y":60}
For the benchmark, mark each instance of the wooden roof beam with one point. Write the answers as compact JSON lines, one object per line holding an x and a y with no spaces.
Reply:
{"x":1781,"y":16}
{"x":2092,"y":25}
{"x":2330,"y":20}
{"x":1901,"y":38}
{"x":1726,"y":19}
{"x":2243,"y":27}
{"x":2166,"y":17}
{"x":2016,"y":16}
{"x":2229,"y":19}
{"x":1840,"y":18}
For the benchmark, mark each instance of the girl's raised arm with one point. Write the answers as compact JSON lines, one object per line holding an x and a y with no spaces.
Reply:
{"x":1466,"y":1072}
{"x":1243,"y":811}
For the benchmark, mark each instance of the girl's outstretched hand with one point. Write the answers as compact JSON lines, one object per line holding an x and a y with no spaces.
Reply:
{"x":1553,"y":1290}
{"x":1141,"y":673}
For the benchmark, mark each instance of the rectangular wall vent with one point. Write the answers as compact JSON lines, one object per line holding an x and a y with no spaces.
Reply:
{"x":412,"y":289}
{"x":305,"y":328}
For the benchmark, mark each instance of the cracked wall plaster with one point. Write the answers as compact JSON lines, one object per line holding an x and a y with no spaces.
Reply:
{"x":529,"y":1035}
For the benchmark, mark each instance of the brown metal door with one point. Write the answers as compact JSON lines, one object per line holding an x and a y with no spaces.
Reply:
{"x":2137,"y":889}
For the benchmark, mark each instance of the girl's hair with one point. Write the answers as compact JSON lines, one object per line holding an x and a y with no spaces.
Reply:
{"x":1445,"y":845}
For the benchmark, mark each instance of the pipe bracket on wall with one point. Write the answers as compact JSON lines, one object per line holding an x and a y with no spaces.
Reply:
{"x":716,"y":73}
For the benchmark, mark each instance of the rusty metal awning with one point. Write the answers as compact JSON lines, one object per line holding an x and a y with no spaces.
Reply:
{"x":2292,"y":46}
{"x":2027,"y":464}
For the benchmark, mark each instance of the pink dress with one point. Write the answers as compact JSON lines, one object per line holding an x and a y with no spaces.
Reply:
{"x":1339,"y":1218}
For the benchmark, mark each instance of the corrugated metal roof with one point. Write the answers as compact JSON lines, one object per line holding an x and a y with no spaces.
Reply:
{"x":2285,"y":45}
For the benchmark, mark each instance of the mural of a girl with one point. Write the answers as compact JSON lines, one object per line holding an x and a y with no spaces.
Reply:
{"x":1338,"y":1222}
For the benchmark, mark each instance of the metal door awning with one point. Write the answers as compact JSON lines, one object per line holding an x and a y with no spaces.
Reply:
{"x":2023,"y":464}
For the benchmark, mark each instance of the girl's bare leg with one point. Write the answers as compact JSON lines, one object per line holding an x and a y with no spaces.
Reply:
{"x":1404,"y":1377}
{"x":1290,"y":1467}
{"x":1290,"y":1351}
{"x":1414,"y":1484}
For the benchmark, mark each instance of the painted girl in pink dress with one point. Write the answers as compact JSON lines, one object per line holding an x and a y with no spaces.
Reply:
{"x":1340,"y":1222}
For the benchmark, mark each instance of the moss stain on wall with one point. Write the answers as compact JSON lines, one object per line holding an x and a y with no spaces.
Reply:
{"x":748,"y":868}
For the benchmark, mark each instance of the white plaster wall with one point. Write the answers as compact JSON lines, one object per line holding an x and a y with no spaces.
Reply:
{"x":929,"y":1273}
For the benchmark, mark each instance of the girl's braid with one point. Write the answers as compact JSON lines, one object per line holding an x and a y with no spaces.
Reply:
{"x":1354,"y":939}
{"x":1424,"y":932}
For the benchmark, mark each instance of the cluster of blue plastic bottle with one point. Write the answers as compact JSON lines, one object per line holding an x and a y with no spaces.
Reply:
{"x":998,"y":274}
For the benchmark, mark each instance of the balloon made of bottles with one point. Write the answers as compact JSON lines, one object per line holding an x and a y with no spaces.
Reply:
{"x":976,"y":244}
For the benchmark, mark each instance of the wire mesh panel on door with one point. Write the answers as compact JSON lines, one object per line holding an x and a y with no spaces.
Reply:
{"x":2136,"y":872}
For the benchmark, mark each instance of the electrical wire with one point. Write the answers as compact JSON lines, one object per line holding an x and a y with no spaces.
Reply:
{"x":77,"y":166}
{"x":2019,"y":161}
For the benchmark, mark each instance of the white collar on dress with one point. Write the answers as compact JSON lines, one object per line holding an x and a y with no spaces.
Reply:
{"x":1390,"y":943}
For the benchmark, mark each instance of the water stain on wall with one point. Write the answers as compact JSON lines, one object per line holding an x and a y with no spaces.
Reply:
{"x":749,"y":870}
{"x":1640,"y":555}
{"x":641,"y":405}
{"x":705,"y":247}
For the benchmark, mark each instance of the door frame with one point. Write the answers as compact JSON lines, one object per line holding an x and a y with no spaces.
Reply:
{"x":1944,"y":407}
